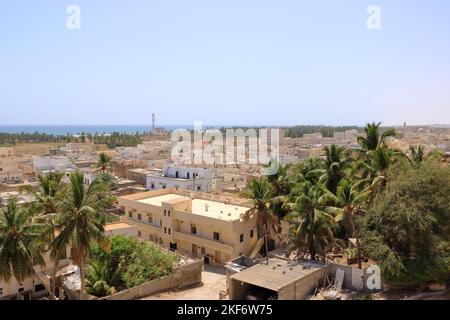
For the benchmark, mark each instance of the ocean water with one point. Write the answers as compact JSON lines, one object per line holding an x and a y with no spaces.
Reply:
{"x":92,"y":129}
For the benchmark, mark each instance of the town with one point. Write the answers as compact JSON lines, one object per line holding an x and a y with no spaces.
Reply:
{"x":223,"y":230}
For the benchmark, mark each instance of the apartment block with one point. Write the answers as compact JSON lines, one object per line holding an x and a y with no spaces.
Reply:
{"x":199,"y":228}
{"x":185,"y":178}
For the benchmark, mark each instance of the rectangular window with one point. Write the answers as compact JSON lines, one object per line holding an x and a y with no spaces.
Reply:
{"x":251,"y":233}
{"x":150,"y":219}
{"x":165,"y":230}
{"x":160,"y":222}
{"x":169,"y":231}
{"x":193,"y":229}
{"x":216,"y":236}
{"x":139,"y":216}
{"x":130,"y":214}
{"x":165,"y":211}
{"x":168,"y":213}
{"x":279,"y":229}
{"x":139,"y":234}
{"x":241,"y":238}
{"x":203,"y":250}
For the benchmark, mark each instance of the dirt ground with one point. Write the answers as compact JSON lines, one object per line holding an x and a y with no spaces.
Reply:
{"x":213,"y":280}
{"x":34,"y":148}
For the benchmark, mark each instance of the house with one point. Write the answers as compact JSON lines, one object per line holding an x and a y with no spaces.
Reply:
{"x":185,"y":178}
{"x":196,"y":227}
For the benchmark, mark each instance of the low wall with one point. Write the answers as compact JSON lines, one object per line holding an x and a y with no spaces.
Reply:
{"x":183,"y":276}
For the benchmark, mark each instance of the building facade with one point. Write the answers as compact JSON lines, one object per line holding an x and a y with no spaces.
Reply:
{"x":185,"y":178}
{"x":212,"y":230}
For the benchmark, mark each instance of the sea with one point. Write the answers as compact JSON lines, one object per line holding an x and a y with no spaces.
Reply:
{"x":87,"y":129}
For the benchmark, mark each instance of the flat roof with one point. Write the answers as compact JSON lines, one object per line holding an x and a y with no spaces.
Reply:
{"x":117,"y":225}
{"x":207,"y":208}
{"x":277,"y":274}
{"x":158,"y":200}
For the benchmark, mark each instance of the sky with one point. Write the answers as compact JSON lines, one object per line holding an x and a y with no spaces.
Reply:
{"x":224,"y":62}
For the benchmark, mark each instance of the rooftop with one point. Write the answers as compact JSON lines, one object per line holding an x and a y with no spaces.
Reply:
{"x":277,"y":274}
{"x":117,"y":225}
{"x":207,"y":208}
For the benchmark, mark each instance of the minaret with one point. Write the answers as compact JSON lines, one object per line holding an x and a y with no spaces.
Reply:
{"x":153,"y":122}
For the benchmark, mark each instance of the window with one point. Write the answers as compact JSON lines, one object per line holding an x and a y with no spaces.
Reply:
{"x":216,"y":236}
{"x":130,"y":214}
{"x":139,"y":216}
{"x":193,"y":229}
{"x":153,"y":186}
{"x":139,"y":234}
{"x":168,"y":213}
{"x":150,"y":219}
{"x":165,"y":211}
{"x":169,"y":230}
{"x":280,"y":229}
{"x":1,"y":291}
{"x":199,"y":188}
{"x":251,"y":233}
{"x":39,"y":287}
{"x":165,"y":230}
{"x":241,"y":238}
{"x":203,"y":250}
{"x":160,"y":222}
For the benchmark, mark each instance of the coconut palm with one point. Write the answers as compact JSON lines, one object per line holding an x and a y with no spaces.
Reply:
{"x":261,"y":193}
{"x":101,"y":279}
{"x":104,"y":163}
{"x":312,"y":225}
{"x":373,"y":139}
{"x":334,"y":167}
{"x":82,"y":220}
{"x":45,"y":206}
{"x":19,"y":248}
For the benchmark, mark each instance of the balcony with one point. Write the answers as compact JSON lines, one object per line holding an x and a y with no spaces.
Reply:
{"x":142,"y":223}
{"x":202,"y":241}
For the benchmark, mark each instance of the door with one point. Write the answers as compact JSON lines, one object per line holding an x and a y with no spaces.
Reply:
{"x":194,"y":250}
{"x":217,"y":256}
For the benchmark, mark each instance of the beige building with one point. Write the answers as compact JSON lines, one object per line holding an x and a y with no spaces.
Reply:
{"x":212,"y":230}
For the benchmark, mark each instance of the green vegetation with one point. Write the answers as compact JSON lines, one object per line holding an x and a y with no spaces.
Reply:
{"x":326,"y":131}
{"x":113,"y":140}
{"x":126,"y":264}
{"x":63,"y":216}
{"x":396,"y":207}
{"x":407,"y":229}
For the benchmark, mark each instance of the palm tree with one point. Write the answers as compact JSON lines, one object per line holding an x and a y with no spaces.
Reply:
{"x":101,"y":277}
{"x":19,"y":248}
{"x":348,"y":203}
{"x":104,"y":163}
{"x":45,"y":206}
{"x":333,"y":167}
{"x":82,"y":219}
{"x":261,"y":192}
{"x":312,"y":224}
{"x":417,"y":155}
{"x":373,"y":138}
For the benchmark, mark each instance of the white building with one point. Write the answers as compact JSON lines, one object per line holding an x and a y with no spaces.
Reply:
{"x":146,"y":151}
{"x":47,"y":164}
{"x":185,"y":178}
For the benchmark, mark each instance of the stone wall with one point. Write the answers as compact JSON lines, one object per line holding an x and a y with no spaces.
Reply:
{"x":183,"y":276}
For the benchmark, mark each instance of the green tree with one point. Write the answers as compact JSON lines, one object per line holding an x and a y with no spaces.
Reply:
{"x":45,"y":207}
{"x":82,"y":219}
{"x":19,"y":248}
{"x":334,"y":167}
{"x":312,"y":226}
{"x":104,"y":163}
{"x":407,"y":231}
{"x":373,"y":138}
{"x":261,"y":193}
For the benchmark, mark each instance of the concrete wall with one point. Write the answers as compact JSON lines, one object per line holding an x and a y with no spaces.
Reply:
{"x":303,"y":287}
{"x":183,"y":276}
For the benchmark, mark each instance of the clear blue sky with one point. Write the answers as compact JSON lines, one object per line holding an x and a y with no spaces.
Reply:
{"x":257,"y":62}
